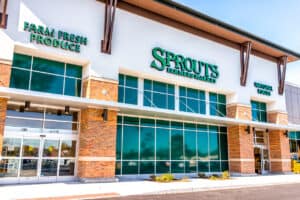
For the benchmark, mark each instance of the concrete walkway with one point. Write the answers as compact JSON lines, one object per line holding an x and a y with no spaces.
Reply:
{"x":93,"y":190}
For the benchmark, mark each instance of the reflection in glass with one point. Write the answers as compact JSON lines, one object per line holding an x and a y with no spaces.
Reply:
{"x":130,"y":167}
{"x":191,"y":166}
{"x":177,"y":167}
{"x":29,"y":167}
{"x":66,"y":167}
{"x":11,"y":147}
{"x":162,"y":144}
{"x":47,"y":83}
{"x":9,"y":167}
{"x":61,"y":125}
{"x":52,"y":114}
{"x":147,"y":143}
{"x":50,"y":148}
{"x":33,"y":112}
{"x":146,"y":167}
{"x":31,"y":148}
{"x":49,"y":168}
{"x":24,"y":123}
{"x":68,"y":148}
{"x":179,"y":147}
{"x":130,"y":142}
{"x":176,"y":144}
{"x":203,"y":166}
{"x":163,"y":167}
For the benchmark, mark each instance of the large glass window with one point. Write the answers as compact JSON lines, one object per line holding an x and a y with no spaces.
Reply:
{"x":259,"y":111}
{"x":295,"y":145}
{"x":191,"y":100}
{"x":38,"y":74}
{"x":128,"y":89}
{"x":153,"y":146}
{"x":50,"y":120}
{"x":217,"y":104}
{"x":159,"y":95}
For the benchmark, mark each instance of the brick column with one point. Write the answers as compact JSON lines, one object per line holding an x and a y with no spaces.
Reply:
{"x":279,"y":144}
{"x":5,"y":71}
{"x":97,"y":140}
{"x":240,"y":142}
{"x":3,"y":106}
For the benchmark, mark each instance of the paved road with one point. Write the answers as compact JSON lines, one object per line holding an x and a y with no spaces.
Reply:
{"x":278,"y":192}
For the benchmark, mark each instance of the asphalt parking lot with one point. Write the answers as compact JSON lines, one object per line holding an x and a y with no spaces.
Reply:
{"x":277,"y":192}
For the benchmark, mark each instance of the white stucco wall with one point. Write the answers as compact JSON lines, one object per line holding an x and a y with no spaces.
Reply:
{"x":133,"y":39}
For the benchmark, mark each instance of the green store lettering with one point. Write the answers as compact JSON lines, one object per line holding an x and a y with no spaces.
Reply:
{"x":263,"y":88}
{"x":184,"y":66}
{"x":47,"y":36}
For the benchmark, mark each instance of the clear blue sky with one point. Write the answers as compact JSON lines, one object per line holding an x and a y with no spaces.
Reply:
{"x":274,"y":20}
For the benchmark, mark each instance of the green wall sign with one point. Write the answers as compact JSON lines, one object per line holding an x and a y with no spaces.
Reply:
{"x":58,"y":39}
{"x":263,"y":88}
{"x":183,"y":66}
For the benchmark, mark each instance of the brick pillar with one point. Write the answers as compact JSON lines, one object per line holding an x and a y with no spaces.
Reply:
{"x":3,"y":106}
{"x":240,"y":142}
{"x":5,"y":71}
{"x":97,"y":140}
{"x":279,"y":144}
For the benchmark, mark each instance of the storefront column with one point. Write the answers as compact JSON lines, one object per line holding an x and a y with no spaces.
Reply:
{"x":280,"y":157}
{"x":3,"y":107}
{"x":5,"y":71}
{"x":97,"y":140}
{"x":240,"y":142}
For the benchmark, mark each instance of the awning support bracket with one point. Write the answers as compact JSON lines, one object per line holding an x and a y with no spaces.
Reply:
{"x":281,"y":70}
{"x":245,"y":51}
{"x":3,"y":15}
{"x":110,"y":11}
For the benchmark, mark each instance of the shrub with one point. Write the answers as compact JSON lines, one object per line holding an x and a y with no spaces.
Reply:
{"x":225,"y":175}
{"x":164,"y":178}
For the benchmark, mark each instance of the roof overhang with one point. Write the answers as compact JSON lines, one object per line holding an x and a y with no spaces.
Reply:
{"x":81,"y":103}
{"x":170,"y":12}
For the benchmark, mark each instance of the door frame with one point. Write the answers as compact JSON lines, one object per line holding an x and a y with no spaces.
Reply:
{"x":42,"y":137}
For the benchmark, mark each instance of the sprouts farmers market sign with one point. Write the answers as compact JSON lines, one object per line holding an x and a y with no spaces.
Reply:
{"x":51,"y":37}
{"x":183,"y":66}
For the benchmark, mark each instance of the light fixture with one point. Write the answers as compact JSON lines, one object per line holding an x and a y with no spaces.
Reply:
{"x":286,"y":133}
{"x":27,"y":105}
{"x":104,"y":114}
{"x":59,"y":112}
{"x":248,"y":129}
{"x":21,"y":109}
{"x":67,"y":110}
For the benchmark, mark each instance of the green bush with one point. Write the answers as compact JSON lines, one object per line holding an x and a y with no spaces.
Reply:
{"x":225,"y":175}
{"x":164,"y":178}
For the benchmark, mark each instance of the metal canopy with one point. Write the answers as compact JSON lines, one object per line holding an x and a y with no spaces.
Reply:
{"x":79,"y":102}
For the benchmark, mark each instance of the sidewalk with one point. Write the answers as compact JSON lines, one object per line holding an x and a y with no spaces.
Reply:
{"x":98,"y":190}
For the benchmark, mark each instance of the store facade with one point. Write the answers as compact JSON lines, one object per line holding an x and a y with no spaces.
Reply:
{"x":131,"y":89}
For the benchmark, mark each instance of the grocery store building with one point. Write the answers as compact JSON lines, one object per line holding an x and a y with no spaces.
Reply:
{"x":100,"y":90}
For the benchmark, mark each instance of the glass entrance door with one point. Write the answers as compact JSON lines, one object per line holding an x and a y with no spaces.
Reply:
{"x":261,"y":152}
{"x":262,"y":164}
{"x":39,"y":158}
